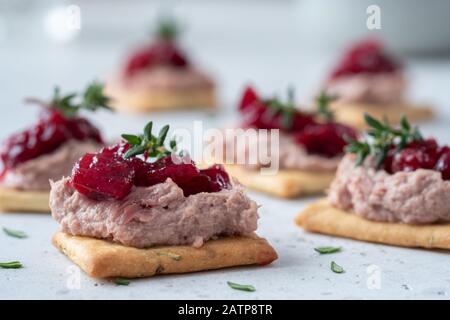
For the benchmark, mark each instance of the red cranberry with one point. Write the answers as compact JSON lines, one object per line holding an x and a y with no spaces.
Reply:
{"x":257,"y":114}
{"x":103,"y":175}
{"x":248,"y":98}
{"x":162,"y":52}
{"x":443,"y":164}
{"x":219,"y":178}
{"x":51,"y":131}
{"x":419,"y":155}
{"x":325,"y":139}
{"x":365,"y":57}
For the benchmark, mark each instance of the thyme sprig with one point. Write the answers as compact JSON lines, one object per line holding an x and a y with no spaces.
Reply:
{"x":382,"y":138}
{"x":69,"y":104}
{"x":167,"y":28}
{"x":149,"y":145}
{"x":286,"y":110}
{"x":323,"y":101}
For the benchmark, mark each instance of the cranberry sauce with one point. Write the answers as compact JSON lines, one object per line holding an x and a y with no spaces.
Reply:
{"x":107,"y":175}
{"x":426,"y":154}
{"x":326,"y":139}
{"x":51,"y":131}
{"x":366,"y":56}
{"x":161,"y":53}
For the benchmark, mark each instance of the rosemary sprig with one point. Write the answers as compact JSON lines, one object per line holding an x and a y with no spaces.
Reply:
{"x":148,"y":144}
{"x":285,"y":110}
{"x":382,"y":138}
{"x":323,"y":101}
{"x":167,"y":28}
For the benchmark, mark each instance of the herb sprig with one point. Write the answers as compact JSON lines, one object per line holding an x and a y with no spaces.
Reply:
{"x":167,"y":28}
{"x":148,"y":144}
{"x":285,"y":110}
{"x":382,"y":138}
{"x":69,"y":104}
{"x":323,"y":101}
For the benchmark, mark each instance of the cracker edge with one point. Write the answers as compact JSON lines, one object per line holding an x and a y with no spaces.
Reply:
{"x":285,"y":184}
{"x":162,"y":100}
{"x":104,"y":259}
{"x":321,"y":217}
{"x":24,"y":201}
{"x":353,"y":114}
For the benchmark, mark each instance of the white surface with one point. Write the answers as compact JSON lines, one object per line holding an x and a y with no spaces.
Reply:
{"x":300,"y":272}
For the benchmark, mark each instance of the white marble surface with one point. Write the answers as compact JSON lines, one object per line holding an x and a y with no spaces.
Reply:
{"x":272,"y":62}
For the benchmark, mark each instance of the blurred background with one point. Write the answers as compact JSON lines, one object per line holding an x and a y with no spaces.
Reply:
{"x":270,"y":43}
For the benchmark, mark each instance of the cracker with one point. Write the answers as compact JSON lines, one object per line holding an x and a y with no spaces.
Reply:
{"x":24,"y":201}
{"x":285,"y":183}
{"x":353,"y":114}
{"x":321,"y":217}
{"x":104,"y":259}
{"x":129,"y":100}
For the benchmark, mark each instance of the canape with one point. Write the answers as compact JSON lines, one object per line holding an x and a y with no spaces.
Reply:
{"x":309,"y":148}
{"x":160,"y":76}
{"x":368,"y":79}
{"x":48,"y":149}
{"x":392,"y":189}
{"x":138,"y":209}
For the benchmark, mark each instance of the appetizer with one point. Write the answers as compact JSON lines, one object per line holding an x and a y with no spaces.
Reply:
{"x":368,"y":79}
{"x":392,"y":188}
{"x":138,"y":209}
{"x":159,"y":76}
{"x":310,"y":145}
{"x":47,"y":149}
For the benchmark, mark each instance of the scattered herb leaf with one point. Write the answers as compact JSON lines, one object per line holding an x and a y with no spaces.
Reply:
{"x":336,"y":268}
{"x":15,"y":233}
{"x":327,"y":250}
{"x":174,"y":256}
{"x":323,"y":101}
{"x":285,"y":110}
{"x":242,"y":287}
{"x":167,"y":28}
{"x":11,"y":265}
{"x":121,"y":281}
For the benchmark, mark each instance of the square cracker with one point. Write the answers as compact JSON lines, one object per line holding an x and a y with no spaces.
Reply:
{"x":24,"y":201}
{"x":128,"y":100}
{"x":286,"y":183}
{"x":353,"y":114}
{"x":321,"y":217}
{"x":104,"y":259}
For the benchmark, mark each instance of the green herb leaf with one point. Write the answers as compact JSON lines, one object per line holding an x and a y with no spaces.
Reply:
{"x":11,"y":265}
{"x":132,"y":139}
{"x":242,"y":287}
{"x":167,"y":28}
{"x":121,"y":281}
{"x":15,"y":233}
{"x":174,"y":256}
{"x":336,"y":268}
{"x":148,"y":144}
{"x":327,"y":250}
{"x":323,"y":106}
{"x":285,"y":110}
{"x":383,"y":139}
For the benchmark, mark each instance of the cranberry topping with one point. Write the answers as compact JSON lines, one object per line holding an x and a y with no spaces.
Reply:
{"x":51,"y":131}
{"x":257,"y":114}
{"x":418,"y":154}
{"x":365,"y":56}
{"x":108,"y":175}
{"x":161,"y":53}
{"x":103,"y":175}
{"x":325,"y":139}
